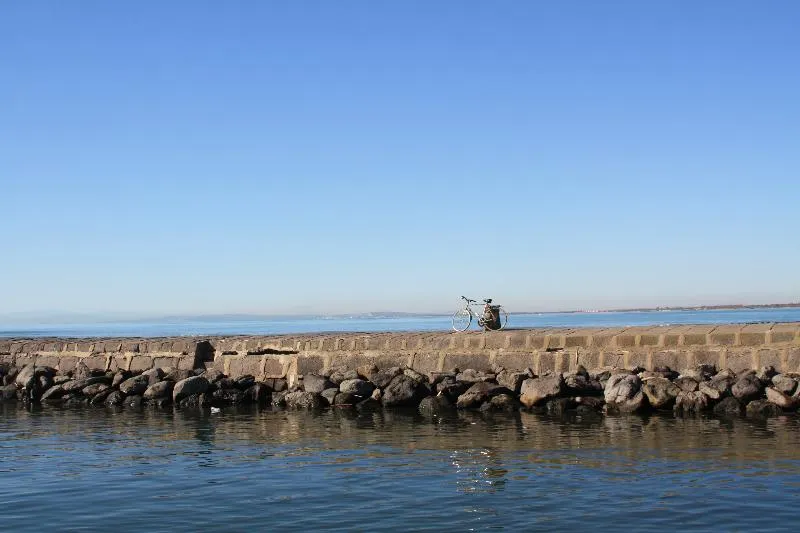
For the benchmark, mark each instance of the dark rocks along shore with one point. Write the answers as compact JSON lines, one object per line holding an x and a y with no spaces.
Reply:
{"x":690,"y":392}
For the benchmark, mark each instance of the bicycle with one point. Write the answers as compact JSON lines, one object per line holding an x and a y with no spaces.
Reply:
{"x":493,"y":317}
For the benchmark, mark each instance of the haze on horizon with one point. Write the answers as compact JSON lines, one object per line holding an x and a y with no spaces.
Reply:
{"x":307,"y":158}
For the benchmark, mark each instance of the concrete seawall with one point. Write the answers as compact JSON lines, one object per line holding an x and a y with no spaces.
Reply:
{"x":738,"y":347}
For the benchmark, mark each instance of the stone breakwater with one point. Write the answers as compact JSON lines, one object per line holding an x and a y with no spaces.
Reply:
{"x":727,"y":369}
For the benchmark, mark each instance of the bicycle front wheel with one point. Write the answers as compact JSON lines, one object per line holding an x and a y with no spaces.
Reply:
{"x":461,"y":320}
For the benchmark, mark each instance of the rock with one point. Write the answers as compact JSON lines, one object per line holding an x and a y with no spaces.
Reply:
{"x":687,"y":384}
{"x":503,"y":402}
{"x":623,"y":394}
{"x":473,"y":376}
{"x":75,"y":400}
{"x":581,"y":384}
{"x":435,"y":405}
{"x":188,"y":387}
{"x":134,"y":386}
{"x":359,"y":387}
{"x":303,"y":400}
{"x":346,"y":399}
{"x":244,"y":382}
{"x":91,"y":390}
{"x":45,"y":382}
{"x":154,"y":375}
{"x":54,"y":393}
{"x":349,"y":374}
{"x":479,"y":393}
{"x":784,"y":383}
{"x":279,"y":398}
{"x":211,"y":374}
{"x":227,"y":397}
{"x":178,"y":374}
{"x":376,"y":395}
{"x":133,"y":401}
{"x":559,"y":406}
{"x":721,"y":383}
{"x":315,"y":383}
{"x":25,"y":375}
{"x":593,"y":403}
{"x":452,"y":390}
{"x":366,"y":372}
{"x":162,"y":389}
{"x":370,"y":404}
{"x":666,"y":372}
{"x":438,"y":377}
{"x":512,"y":380}
{"x":766,"y":373}
{"x":59,"y":380}
{"x":329,"y":394}
{"x":690,"y":402}
{"x":81,"y":371}
{"x":747,"y":387}
{"x":9,"y":392}
{"x":660,"y":392}
{"x":729,"y":406}
{"x":100,"y":397}
{"x":226,"y":383}
{"x":119,"y":377}
{"x":782,"y":400}
{"x":402,"y":391}
{"x":416,"y":376}
{"x":276,"y":384}
{"x":258,"y":393}
{"x":535,"y":391}
{"x":198,"y":400}
{"x":382,"y":378}
{"x":762,"y":409}
{"x":115,"y":398}
{"x":713,"y":393}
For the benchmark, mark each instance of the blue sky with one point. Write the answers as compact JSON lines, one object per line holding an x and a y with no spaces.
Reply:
{"x":292,"y":157}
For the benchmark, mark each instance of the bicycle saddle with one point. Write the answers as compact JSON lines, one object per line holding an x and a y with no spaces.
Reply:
{"x":488,"y":300}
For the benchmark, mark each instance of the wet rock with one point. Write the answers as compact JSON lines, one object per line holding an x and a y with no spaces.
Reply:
{"x":382,"y":378}
{"x":536,"y":391}
{"x":359,"y":387}
{"x":784,"y":383}
{"x":349,"y":374}
{"x":54,"y":393}
{"x":178,"y":374}
{"x":133,"y":401}
{"x":225,"y":383}
{"x":188,"y":387}
{"x":762,"y":409}
{"x":75,"y":399}
{"x":100,"y":397}
{"x":747,"y":387}
{"x":512,"y":380}
{"x":729,"y":406}
{"x":435,"y":405}
{"x":416,"y":376}
{"x":315,"y":383}
{"x":154,"y":375}
{"x":713,"y":393}
{"x":119,"y":377}
{"x":594,"y":403}
{"x":666,"y":372}
{"x":368,"y":405}
{"x":452,"y":390}
{"x":279,"y":398}
{"x":59,"y":380}
{"x":45,"y":382}
{"x":228,"y":397}
{"x":473,"y":376}
{"x":766,"y":373}
{"x":480,"y":392}
{"x":115,"y":398}
{"x":690,"y":402}
{"x":782,"y":400}
{"x":211,"y":374}
{"x":581,"y":384}
{"x":346,"y":399}
{"x":377,"y":395}
{"x":276,"y":384}
{"x":81,"y":371}
{"x":722,"y":383}
{"x":244,"y":382}
{"x":404,"y":391}
{"x":329,"y":394}
{"x":8,"y":392}
{"x":687,"y":384}
{"x":623,"y":394}
{"x":31,"y":371}
{"x":162,"y":389}
{"x":366,"y":372}
{"x":198,"y":400}
{"x":438,"y":377}
{"x":660,"y":392}
{"x":258,"y":393}
{"x":134,"y":386}
{"x":560,"y":406}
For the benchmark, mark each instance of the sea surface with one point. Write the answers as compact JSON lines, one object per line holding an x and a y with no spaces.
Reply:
{"x":103,"y":469}
{"x":293,"y":325}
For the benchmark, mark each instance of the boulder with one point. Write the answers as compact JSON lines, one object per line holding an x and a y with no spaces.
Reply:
{"x":119,"y":377}
{"x":162,"y":389}
{"x":593,"y":403}
{"x":747,"y":387}
{"x":359,"y":387}
{"x":782,"y":400}
{"x":687,"y":384}
{"x":367,"y":371}
{"x":330,"y":393}
{"x":452,"y":390}
{"x":346,"y":399}
{"x":115,"y":398}
{"x":690,"y":402}
{"x":154,"y":375}
{"x":479,"y":393}
{"x":178,"y":374}
{"x":784,"y":383}
{"x":226,"y":383}
{"x":227,"y":397}
{"x":100,"y":397}
{"x":560,"y":406}
{"x":134,"y":386}
{"x":435,"y":405}
{"x":258,"y":393}
{"x":54,"y":393}
{"x":404,"y":391}
{"x":762,"y":409}
{"x":473,"y":376}
{"x":512,"y":380}
{"x":729,"y":406}
{"x":188,"y":387}
{"x":81,"y":371}
{"x":315,"y":383}
{"x":660,"y":392}
{"x":91,"y":390}
{"x":713,"y":393}
{"x":132,"y":401}
{"x":303,"y":400}
{"x":8,"y":392}
{"x":382,"y":378}
{"x":278,"y":398}
{"x":536,"y":391}
{"x":30,"y":371}
{"x":581,"y":384}
{"x":198,"y":400}
{"x":502,"y":402}
{"x":766,"y":373}
{"x":623,"y":393}
{"x":416,"y":376}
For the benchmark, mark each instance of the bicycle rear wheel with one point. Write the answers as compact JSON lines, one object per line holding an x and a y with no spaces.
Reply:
{"x":461,"y":320}
{"x":502,"y":320}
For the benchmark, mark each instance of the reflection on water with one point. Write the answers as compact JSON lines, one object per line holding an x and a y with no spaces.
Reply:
{"x":342,"y":470}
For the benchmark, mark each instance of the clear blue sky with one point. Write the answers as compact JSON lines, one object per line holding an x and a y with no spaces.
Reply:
{"x":257,"y":156}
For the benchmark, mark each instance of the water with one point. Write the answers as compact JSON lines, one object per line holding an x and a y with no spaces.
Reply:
{"x":242,"y":469}
{"x":406,"y":323}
